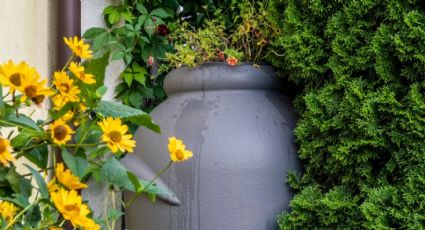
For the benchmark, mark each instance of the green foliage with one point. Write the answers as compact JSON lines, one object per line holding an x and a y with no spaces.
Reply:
{"x":238,"y":30}
{"x":137,"y":33}
{"x":136,"y":116}
{"x":362,"y":111}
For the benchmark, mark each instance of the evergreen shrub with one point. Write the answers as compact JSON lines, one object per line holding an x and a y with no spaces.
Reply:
{"x":361,"y":133}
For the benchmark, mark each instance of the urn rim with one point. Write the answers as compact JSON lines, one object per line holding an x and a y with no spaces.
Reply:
{"x":221,"y":76}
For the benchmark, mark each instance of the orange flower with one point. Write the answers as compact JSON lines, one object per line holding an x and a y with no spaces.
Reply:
{"x":232,"y":61}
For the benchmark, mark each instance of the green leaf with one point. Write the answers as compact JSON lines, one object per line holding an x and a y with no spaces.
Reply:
{"x":126,"y":15}
{"x":39,"y":156}
{"x":149,"y":26}
{"x":141,"y":78}
{"x":114,"y":109}
{"x":40,"y":182}
{"x":117,"y":55}
{"x":145,"y":39}
{"x":135,"y":98}
{"x":135,"y":181}
{"x":114,"y":16}
{"x":114,"y":214}
{"x":101,"y":91}
{"x":97,"y":67}
{"x":23,"y":138}
{"x":101,"y":41}
{"x":136,"y":116}
{"x":93,"y":32}
{"x":18,"y":199}
{"x":159,"y":12}
{"x":14,"y":180}
{"x":32,"y":216}
{"x":21,"y":120}
{"x":109,"y":9}
{"x":142,"y":20}
{"x":128,"y":78}
{"x":141,"y":8}
{"x":114,"y":173}
{"x":76,"y":164}
{"x":146,"y":121}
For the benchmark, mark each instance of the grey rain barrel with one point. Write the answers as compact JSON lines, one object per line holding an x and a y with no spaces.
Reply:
{"x":240,"y":129}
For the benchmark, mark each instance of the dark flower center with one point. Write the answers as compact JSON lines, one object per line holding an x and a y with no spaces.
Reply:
{"x":15,"y":79}
{"x":60,"y":132}
{"x":72,"y":208}
{"x":64,"y":88}
{"x":31,"y":91}
{"x":38,"y":99}
{"x":115,"y":136}
{"x":180,"y":155}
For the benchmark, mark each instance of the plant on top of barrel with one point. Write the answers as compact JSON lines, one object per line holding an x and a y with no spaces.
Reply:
{"x":137,"y":32}
{"x":89,"y":134}
{"x":240,"y":33}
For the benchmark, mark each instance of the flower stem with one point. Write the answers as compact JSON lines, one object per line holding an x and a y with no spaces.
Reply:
{"x":67,"y":62}
{"x":82,"y":145}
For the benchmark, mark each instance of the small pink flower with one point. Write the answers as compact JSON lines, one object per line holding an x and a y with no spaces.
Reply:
{"x":232,"y":61}
{"x":150,"y":60}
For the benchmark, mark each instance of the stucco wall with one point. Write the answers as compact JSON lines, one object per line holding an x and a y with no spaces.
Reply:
{"x":27,"y":30}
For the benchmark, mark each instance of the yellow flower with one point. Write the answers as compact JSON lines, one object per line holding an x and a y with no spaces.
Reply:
{"x":12,"y":75}
{"x":114,"y":134}
{"x":7,"y":210}
{"x":55,"y":228}
{"x":78,"y":71}
{"x":89,"y":224}
{"x":71,"y":206}
{"x":5,"y":155}
{"x":32,"y":87}
{"x":178,"y":150}
{"x":67,"y":179}
{"x":52,"y":186}
{"x":78,"y":47}
{"x":59,"y":102}
{"x":61,"y":132}
{"x":66,"y":87}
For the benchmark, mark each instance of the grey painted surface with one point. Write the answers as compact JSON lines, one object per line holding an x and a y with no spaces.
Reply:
{"x":240,"y":131}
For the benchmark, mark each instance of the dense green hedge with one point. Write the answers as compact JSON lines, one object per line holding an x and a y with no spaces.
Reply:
{"x":361,"y":65}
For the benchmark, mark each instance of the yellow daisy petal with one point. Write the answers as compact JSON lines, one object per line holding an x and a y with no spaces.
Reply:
{"x":78,"y":47}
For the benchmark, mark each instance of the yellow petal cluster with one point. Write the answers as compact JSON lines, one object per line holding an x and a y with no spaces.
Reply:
{"x":7,"y":210}
{"x":78,"y":47}
{"x":80,"y":73}
{"x":115,"y":135}
{"x":59,"y":102}
{"x":34,"y":88}
{"x":67,"y":179}
{"x":25,"y":79}
{"x":66,"y":86}
{"x":12,"y":75}
{"x":178,"y":150}
{"x":5,"y":156}
{"x":60,"y":132}
{"x":72,"y":208}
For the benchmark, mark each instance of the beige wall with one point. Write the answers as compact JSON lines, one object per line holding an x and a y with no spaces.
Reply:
{"x":27,"y":34}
